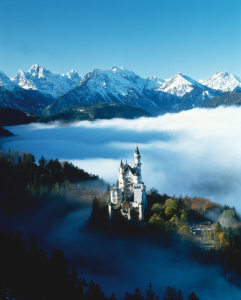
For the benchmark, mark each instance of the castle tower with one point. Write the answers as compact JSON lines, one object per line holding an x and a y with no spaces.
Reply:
{"x":137,"y":165}
{"x":141,"y":212}
{"x":121,"y":176}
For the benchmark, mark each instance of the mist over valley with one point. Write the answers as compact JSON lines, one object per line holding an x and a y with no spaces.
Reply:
{"x":195,"y":152}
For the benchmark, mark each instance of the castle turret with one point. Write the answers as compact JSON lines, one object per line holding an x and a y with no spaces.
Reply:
{"x":137,"y":165}
{"x":141,"y":212}
{"x":121,"y":176}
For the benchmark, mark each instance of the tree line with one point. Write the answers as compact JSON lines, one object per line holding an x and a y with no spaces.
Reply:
{"x":25,"y":183}
{"x":27,"y":273}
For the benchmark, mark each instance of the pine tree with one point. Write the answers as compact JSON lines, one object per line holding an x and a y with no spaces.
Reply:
{"x":128,"y":296}
{"x":170,"y":293}
{"x":74,"y":276}
{"x":193,"y":296}
{"x":81,"y":285}
{"x":137,"y":294}
{"x":180,"y":295}
{"x":94,"y":292}
{"x":150,"y":295}
{"x":113,"y":297}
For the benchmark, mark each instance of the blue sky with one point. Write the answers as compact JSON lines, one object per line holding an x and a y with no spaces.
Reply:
{"x":152,"y":38}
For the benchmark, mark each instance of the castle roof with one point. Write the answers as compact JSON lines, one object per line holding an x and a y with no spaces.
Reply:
{"x":128,"y":167}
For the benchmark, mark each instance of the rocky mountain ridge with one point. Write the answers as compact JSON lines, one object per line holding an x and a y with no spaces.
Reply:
{"x":43,"y":92}
{"x":223,"y":81}
{"x":115,"y":84}
{"x":47,"y":82}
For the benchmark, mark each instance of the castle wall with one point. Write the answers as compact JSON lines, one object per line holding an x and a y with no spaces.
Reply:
{"x":116,"y":195}
{"x":138,"y":192}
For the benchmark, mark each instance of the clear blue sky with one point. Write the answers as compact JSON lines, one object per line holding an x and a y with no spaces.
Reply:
{"x":150,"y":37}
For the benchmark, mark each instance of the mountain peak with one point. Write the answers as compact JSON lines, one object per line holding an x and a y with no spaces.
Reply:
{"x":223,"y":81}
{"x":46,"y":82}
{"x":6,"y":82}
{"x":179,"y":85}
{"x":36,"y":68}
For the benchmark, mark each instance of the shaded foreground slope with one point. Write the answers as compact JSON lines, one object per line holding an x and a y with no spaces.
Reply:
{"x":226,"y":99}
{"x":11,"y":116}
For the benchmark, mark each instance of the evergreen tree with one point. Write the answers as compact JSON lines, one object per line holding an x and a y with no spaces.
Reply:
{"x":150,"y":295}
{"x":113,"y":297}
{"x":137,"y":294}
{"x":94,"y":292}
{"x":180,"y":295}
{"x":193,"y":296}
{"x":128,"y":296}
{"x":42,"y":163}
{"x":59,"y":281}
{"x":73,"y":275}
{"x":81,"y":285}
{"x":170,"y":293}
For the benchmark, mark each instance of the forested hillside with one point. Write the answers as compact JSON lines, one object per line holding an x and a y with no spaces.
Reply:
{"x":27,"y":187}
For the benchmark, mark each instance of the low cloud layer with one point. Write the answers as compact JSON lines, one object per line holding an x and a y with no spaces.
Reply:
{"x":196,"y":152}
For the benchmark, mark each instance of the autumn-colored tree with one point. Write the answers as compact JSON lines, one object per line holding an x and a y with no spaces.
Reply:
{"x":157,"y":208}
{"x":171,"y":204}
{"x":199,"y":204}
{"x":169,"y":211}
{"x":184,"y":231}
{"x":157,"y":221}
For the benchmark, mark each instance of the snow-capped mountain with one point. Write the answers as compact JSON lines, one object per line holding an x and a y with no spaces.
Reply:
{"x":47,"y":82}
{"x":6,"y":83}
{"x":222,"y":81}
{"x":114,"y":85}
{"x":179,"y":85}
{"x":120,"y":85}
{"x":153,"y":83}
{"x":38,"y":87}
{"x":190,"y":92}
{"x":14,"y":96}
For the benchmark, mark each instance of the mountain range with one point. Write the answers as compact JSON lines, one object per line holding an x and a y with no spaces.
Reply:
{"x":41,"y":91}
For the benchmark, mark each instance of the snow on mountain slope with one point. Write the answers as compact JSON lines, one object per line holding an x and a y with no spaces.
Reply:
{"x":115,"y":81}
{"x":179,"y":85}
{"x":14,"y":96}
{"x":119,"y":82}
{"x":47,"y":82}
{"x":222,"y":81}
{"x":154,"y":83}
{"x":6,"y":83}
{"x":112,"y":85}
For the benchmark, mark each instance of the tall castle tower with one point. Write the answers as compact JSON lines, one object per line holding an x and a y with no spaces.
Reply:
{"x":137,"y":166}
{"x":121,"y":175}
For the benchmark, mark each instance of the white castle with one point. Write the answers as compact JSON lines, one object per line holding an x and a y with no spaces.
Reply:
{"x":129,"y":195}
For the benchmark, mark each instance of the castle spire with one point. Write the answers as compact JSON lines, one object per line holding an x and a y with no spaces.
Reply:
{"x":137,"y":150}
